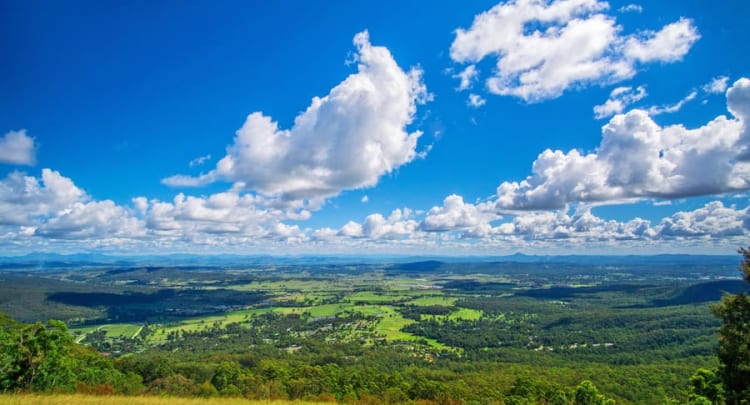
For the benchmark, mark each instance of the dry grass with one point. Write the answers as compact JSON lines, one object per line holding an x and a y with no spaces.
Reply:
{"x":75,"y":399}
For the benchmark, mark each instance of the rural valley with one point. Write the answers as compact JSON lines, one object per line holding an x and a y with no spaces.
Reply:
{"x":533,"y":329}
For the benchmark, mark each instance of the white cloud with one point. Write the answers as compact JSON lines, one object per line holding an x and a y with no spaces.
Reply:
{"x":631,"y":8}
{"x":92,"y":220}
{"x":345,"y":140}
{"x":670,"y":44}
{"x":672,"y":108}
{"x":227,"y":220}
{"x":352,"y":229}
{"x":619,"y":98}
{"x":53,"y":207}
{"x":476,"y":101}
{"x":397,"y":225}
{"x":550,"y":225}
{"x":17,"y":148}
{"x":53,"y":211}
{"x":639,"y":159}
{"x":364,"y":199}
{"x":200,"y":160}
{"x":717,"y":85}
{"x":455,"y":214}
{"x":467,"y":77}
{"x":229,"y":212}
{"x":469,"y":227}
{"x":55,"y":214}
{"x":24,"y":200}
{"x":543,"y":48}
{"x":713,"y":219}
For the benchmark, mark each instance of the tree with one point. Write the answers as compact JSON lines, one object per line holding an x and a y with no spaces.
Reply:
{"x":226,"y":374}
{"x":705,"y":386}
{"x":36,"y":356}
{"x":587,"y":394}
{"x":734,"y":340}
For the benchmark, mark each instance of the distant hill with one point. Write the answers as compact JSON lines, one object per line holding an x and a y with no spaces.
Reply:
{"x":405,"y":263}
{"x":703,"y":292}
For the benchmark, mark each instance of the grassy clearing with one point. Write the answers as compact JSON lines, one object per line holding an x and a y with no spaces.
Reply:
{"x":113,"y":330}
{"x":373,"y":297}
{"x":126,"y":330}
{"x":195,"y":324}
{"x":64,"y":399}
{"x":317,"y":310}
{"x":465,"y":314}
{"x":374,"y":310}
{"x":390,"y":325}
{"x":429,"y":300}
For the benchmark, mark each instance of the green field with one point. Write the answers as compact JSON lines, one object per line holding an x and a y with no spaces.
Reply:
{"x":437,"y":299}
{"x":114,"y":330}
{"x":465,"y":314}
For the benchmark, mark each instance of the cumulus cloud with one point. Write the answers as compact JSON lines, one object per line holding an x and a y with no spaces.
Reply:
{"x":352,"y":229}
{"x":670,"y":44}
{"x":460,"y":225}
{"x":376,"y":227}
{"x":455,"y":214}
{"x":17,"y":148}
{"x":347,"y":139}
{"x":92,"y":220}
{"x":543,"y":48}
{"x":619,"y":98}
{"x":54,"y":212}
{"x":397,"y":225}
{"x":637,"y":158}
{"x":25,"y":199}
{"x":582,"y":224}
{"x":225,"y":213}
{"x":53,"y":207}
{"x":713,"y":219}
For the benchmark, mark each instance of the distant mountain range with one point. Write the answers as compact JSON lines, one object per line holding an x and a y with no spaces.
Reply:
{"x":54,"y":260}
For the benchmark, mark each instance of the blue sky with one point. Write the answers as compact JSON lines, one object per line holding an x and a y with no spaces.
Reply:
{"x":460,"y":128}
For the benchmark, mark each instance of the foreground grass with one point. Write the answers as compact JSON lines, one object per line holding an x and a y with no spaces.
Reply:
{"x":76,"y":399}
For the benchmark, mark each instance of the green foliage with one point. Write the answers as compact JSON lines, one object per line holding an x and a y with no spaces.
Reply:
{"x":705,"y":384}
{"x":38,"y":357}
{"x":226,"y":374}
{"x":745,"y":264}
{"x":734,"y":340}
{"x":587,"y":394}
{"x":354,"y":335}
{"x":176,"y":384}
